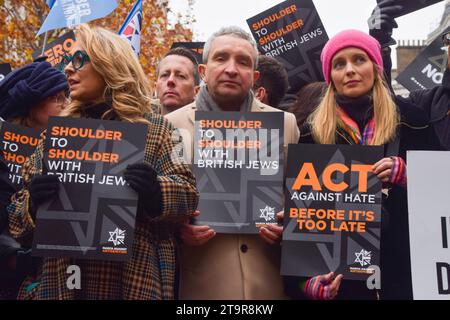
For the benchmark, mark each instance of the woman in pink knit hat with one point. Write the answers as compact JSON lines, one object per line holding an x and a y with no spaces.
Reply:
{"x":358,"y":109}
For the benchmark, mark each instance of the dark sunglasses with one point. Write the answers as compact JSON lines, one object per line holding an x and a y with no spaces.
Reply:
{"x":446,"y":39}
{"x":78,"y":59}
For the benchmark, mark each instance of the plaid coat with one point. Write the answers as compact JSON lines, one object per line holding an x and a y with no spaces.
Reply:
{"x":150,"y":272}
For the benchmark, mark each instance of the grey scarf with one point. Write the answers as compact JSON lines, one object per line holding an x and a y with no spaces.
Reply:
{"x":205,"y":102}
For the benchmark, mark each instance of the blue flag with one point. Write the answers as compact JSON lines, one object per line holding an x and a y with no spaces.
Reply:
{"x":69,"y":13}
{"x":50,"y":3}
{"x":131,"y":28}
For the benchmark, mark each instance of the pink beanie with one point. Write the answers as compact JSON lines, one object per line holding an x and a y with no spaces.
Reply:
{"x":350,"y":38}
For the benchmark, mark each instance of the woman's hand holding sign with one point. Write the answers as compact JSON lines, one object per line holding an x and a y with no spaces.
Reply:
{"x":323,"y":287}
{"x":391,"y":170}
{"x":383,"y":169}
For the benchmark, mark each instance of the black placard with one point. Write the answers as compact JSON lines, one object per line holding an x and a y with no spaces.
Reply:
{"x":17,"y":145}
{"x":293,"y":33}
{"x":5,"y":68}
{"x":55,"y":50}
{"x":196,"y":47}
{"x":93,"y":215}
{"x":427,"y":69}
{"x":239,"y":170}
{"x":332,"y":215}
{"x":413,"y":5}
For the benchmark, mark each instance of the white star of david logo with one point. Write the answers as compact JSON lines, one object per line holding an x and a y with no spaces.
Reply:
{"x":363,"y":257}
{"x":117,"y":237}
{"x":268,"y":213}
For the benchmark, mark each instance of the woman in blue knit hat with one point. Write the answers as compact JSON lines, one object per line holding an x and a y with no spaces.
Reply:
{"x":28,"y":96}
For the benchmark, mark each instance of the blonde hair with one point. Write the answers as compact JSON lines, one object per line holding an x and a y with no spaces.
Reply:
{"x":127,"y":88}
{"x":324,"y":120}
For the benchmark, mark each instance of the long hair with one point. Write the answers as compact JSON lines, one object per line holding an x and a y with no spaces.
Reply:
{"x":127,"y":88}
{"x":324,"y":120}
{"x":22,"y":121}
{"x":307,"y":100}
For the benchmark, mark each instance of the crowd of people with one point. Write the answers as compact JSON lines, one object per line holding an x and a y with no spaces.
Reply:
{"x":172,"y":257}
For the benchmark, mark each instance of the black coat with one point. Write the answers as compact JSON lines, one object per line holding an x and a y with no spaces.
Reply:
{"x":8,"y":246}
{"x":436,"y":102}
{"x":414,"y":134}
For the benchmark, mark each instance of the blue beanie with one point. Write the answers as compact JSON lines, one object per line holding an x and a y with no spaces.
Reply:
{"x":28,"y":86}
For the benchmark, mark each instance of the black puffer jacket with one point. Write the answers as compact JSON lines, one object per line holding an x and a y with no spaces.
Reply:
{"x":436,"y":102}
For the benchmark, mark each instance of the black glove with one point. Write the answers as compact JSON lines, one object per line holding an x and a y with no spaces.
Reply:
{"x":26,"y":265}
{"x":6,"y":191}
{"x":3,"y":219}
{"x":382,"y":21}
{"x":8,"y":246}
{"x":143,"y":179}
{"x":43,"y":188}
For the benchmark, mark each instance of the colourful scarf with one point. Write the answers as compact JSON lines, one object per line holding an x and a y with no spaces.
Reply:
{"x":351,"y":130}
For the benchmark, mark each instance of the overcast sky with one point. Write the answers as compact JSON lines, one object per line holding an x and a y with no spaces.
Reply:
{"x":336,"y":15}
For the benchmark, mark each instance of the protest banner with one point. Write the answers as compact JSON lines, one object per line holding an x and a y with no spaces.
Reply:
{"x":293,"y":33}
{"x":426,"y":71}
{"x":5,"y":68}
{"x":238,"y":164}
{"x":429,"y":223}
{"x":93,"y":215}
{"x":69,"y":13}
{"x":332,"y":216}
{"x":196,"y":47}
{"x":55,"y":50}
{"x":17,"y":145}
